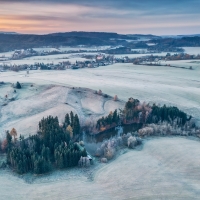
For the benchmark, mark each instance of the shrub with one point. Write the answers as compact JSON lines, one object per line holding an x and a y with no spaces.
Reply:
{"x":18,"y":85}
{"x":115,"y":98}
{"x":100,"y":92}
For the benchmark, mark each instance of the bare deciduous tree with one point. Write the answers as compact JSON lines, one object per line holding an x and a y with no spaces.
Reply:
{"x":13,"y":133}
{"x":100,"y":92}
{"x":115,"y":98}
{"x":70,"y":130}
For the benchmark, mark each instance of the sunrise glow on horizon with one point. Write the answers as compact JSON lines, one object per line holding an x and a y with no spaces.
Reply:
{"x":146,"y":17}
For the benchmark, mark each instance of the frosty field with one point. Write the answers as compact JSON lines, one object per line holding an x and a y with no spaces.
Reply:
{"x":154,"y":84}
{"x":155,"y":172}
{"x":166,"y":168}
{"x":34,"y":103}
{"x":173,"y":86}
{"x":192,"y":50}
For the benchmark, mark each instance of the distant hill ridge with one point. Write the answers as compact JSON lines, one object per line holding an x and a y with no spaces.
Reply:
{"x":2,"y":32}
{"x":22,"y":41}
{"x":11,"y":40}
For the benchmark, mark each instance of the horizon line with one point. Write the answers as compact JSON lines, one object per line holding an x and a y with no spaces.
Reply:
{"x":13,"y":32}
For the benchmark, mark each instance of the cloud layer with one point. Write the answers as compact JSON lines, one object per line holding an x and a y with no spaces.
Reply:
{"x":123,"y":16}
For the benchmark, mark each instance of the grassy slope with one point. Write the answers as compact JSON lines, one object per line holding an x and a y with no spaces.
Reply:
{"x":156,"y":172}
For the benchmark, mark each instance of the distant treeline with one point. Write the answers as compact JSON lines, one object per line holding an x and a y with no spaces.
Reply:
{"x":178,"y":42}
{"x":10,"y":42}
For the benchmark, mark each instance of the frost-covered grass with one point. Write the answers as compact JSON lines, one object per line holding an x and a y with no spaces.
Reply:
{"x":192,"y":50}
{"x":84,"y":48}
{"x":48,"y":59}
{"x":31,"y":104}
{"x":145,"y":50}
{"x":76,"y":48}
{"x":46,"y":49}
{"x":195,"y":64}
{"x":166,"y":168}
{"x":141,"y":55}
{"x":172,"y":86}
{"x":72,"y":57}
{"x":7,"y":54}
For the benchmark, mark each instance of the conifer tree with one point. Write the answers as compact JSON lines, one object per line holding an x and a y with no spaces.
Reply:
{"x":72,"y":118}
{"x":9,"y":140}
{"x":67,"y":120}
{"x":18,"y":85}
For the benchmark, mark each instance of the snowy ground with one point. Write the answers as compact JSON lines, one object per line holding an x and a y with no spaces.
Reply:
{"x":155,"y":172}
{"x":192,"y":50}
{"x":167,"y":168}
{"x":141,"y":55}
{"x":72,"y":57}
{"x":6,"y":54}
{"x":173,"y":86}
{"x":48,"y":59}
{"x":31,"y":104}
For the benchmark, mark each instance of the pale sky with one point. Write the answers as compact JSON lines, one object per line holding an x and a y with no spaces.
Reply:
{"x":160,"y":17}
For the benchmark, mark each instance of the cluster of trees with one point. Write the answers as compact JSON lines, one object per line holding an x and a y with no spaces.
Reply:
{"x":181,"y":56}
{"x":17,"y":85}
{"x":136,"y":112}
{"x":164,"y":48}
{"x":119,"y":50}
{"x":72,"y":124}
{"x":144,"y":113}
{"x":112,"y":118}
{"x":51,"y":132}
{"x":51,"y":147}
{"x":131,"y":109}
{"x":177,"y":42}
{"x":68,"y":157}
{"x":167,"y":114}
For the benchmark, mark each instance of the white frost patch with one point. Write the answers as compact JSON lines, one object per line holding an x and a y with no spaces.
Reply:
{"x":166,"y":168}
{"x":192,"y":50}
{"x":111,"y":105}
{"x":95,"y":105}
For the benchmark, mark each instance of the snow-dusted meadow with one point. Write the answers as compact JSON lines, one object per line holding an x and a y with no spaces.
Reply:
{"x":192,"y":50}
{"x":154,"y":84}
{"x":172,"y":86}
{"x":31,"y":104}
{"x":140,"y":55}
{"x":6,"y":54}
{"x":73,"y":57}
{"x":55,"y":59}
{"x":166,"y":168}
